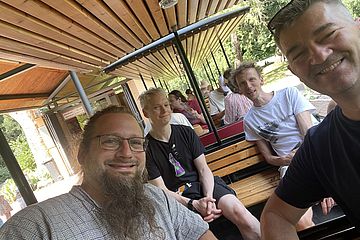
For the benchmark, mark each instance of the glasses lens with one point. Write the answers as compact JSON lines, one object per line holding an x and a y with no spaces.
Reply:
{"x":137,"y":144}
{"x":109,"y":142}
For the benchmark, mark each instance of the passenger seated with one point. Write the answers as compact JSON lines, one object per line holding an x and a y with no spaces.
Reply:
{"x":278,"y":120}
{"x":236,"y":104}
{"x":178,"y":104}
{"x":175,"y":157}
{"x":217,"y":104}
{"x":114,"y":201}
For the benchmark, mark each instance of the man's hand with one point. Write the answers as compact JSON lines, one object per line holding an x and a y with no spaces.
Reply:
{"x":207,"y":208}
{"x":326,"y":205}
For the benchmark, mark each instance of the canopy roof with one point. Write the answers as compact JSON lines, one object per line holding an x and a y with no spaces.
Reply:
{"x":40,"y":41}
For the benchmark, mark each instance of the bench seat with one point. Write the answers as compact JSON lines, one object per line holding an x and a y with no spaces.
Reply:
{"x":257,"y":184}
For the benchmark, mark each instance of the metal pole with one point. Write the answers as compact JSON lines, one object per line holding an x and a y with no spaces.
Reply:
{"x":217,"y":67}
{"x":212,"y":74}
{"x":208,"y":76}
{"x":143,"y":81}
{"x":224,"y":52}
{"x":15,"y":171}
{"x":153,"y":80}
{"x":166,"y":86}
{"x":85,"y":101}
{"x":187,"y":82}
{"x":195,"y":86}
{"x":161,"y":84}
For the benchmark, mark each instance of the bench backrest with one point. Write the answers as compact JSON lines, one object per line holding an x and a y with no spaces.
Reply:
{"x":233,"y":158}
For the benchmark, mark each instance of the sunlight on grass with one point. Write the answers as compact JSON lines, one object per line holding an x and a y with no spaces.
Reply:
{"x":275,"y":72}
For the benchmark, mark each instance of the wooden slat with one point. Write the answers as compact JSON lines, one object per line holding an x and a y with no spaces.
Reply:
{"x":182,"y":13}
{"x":80,"y":15}
{"x":42,"y":54}
{"x":171,"y":18}
{"x":203,"y":9}
{"x":239,"y":165}
{"x":159,"y":18}
{"x":27,"y":22}
{"x":233,"y":158}
{"x":27,"y":37}
{"x":42,"y":12}
{"x":192,"y":11}
{"x":21,"y":57}
{"x":104,"y":14}
{"x":221,"y":5}
{"x":144,"y":17}
{"x":212,"y":7}
{"x":228,"y":150}
{"x":124,"y":12}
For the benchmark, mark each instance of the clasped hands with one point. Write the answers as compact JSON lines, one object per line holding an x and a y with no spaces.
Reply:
{"x":207,"y":208}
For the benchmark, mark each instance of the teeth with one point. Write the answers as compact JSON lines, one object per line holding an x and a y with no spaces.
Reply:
{"x":330,"y":67}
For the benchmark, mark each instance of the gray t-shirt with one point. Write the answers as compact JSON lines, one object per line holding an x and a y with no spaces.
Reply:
{"x":74,"y":216}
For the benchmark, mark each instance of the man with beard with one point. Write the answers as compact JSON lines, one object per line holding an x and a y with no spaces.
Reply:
{"x":320,"y":39}
{"x":175,"y":157}
{"x":113,"y":202}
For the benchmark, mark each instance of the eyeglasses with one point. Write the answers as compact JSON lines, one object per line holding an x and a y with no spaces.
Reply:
{"x":272,"y":23}
{"x":113,"y":142}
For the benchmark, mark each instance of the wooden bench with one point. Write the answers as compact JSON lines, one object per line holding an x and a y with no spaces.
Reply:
{"x":246,"y":170}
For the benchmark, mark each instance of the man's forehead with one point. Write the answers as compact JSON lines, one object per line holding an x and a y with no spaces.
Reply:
{"x":116,"y":122}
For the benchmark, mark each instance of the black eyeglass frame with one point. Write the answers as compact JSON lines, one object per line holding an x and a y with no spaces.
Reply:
{"x":270,"y":26}
{"x":145,"y":143}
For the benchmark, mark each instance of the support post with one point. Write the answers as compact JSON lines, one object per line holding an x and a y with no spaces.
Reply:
{"x":224,"y":52}
{"x":208,"y":76}
{"x":143,"y":81}
{"x":212,"y":75}
{"x":153,"y":80}
{"x":15,"y":171}
{"x":131,"y":103}
{"x":166,"y":86}
{"x":194,"y":85}
{"x":85,"y":101}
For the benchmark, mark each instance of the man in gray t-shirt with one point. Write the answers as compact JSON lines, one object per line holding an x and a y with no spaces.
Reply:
{"x":112,"y":202}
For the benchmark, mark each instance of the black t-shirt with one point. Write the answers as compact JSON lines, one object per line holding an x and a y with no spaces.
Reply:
{"x":174,"y":160}
{"x":327,"y":164}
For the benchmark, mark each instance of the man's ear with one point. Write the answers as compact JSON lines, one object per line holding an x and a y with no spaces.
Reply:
{"x":81,"y":156}
{"x":145,"y":113}
{"x":288,"y":66}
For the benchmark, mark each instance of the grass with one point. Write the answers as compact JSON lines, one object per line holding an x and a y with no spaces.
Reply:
{"x":275,"y":71}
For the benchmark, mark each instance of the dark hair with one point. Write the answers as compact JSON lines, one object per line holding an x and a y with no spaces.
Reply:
{"x":290,"y":12}
{"x":90,"y":125}
{"x":243,"y":66}
{"x":178,"y":95}
{"x":188,"y":91}
{"x":227,"y":73}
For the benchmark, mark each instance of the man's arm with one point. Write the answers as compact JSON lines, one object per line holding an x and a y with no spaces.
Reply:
{"x":206,"y":177}
{"x":278,"y":219}
{"x":208,"y":235}
{"x":270,"y":158}
{"x":304,"y":122}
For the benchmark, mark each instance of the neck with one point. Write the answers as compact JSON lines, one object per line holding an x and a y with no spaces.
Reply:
{"x":161,"y":133}
{"x":350,"y":106}
{"x":263,"y":99}
{"x":94,"y":191}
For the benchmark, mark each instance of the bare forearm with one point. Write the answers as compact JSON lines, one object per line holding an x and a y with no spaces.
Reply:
{"x":208,"y":235}
{"x":277,"y":161}
{"x":207,"y":182}
{"x":183,"y":200}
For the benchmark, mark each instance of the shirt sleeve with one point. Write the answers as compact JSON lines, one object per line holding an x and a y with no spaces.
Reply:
{"x":299,"y":102}
{"x":187,"y":224}
{"x":29,"y":223}
{"x":300,"y":186}
{"x":250,"y":133}
{"x":197,"y":148}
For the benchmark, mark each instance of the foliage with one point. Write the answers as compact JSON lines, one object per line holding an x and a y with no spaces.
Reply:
{"x":353,"y":6}
{"x":9,"y":190}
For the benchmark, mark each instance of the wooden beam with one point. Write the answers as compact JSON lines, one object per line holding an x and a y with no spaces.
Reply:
{"x":16,"y":71}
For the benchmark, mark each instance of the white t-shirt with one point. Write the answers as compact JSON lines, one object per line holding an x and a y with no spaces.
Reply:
{"x":275,"y":122}
{"x":217,"y":103}
{"x":176,"y":118}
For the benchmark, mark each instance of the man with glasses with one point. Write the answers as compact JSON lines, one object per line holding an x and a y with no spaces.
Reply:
{"x":175,"y":157}
{"x":113,"y":201}
{"x":321,"y":42}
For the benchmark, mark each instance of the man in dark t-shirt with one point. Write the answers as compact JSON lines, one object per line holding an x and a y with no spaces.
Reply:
{"x":175,"y":157}
{"x":320,"y":39}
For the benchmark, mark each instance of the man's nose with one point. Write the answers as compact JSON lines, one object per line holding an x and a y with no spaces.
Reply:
{"x":319,"y":53}
{"x":124,"y":148}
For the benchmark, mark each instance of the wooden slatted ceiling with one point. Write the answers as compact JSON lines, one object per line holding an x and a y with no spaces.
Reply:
{"x":86,"y":35}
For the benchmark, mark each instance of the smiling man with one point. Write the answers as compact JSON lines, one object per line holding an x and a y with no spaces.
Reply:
{"x":113,"y":201}
{"x":175,"y":157}
{"x":321,"y":42}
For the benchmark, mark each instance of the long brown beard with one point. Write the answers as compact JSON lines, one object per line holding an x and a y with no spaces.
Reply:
{"x":129,"y":212}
